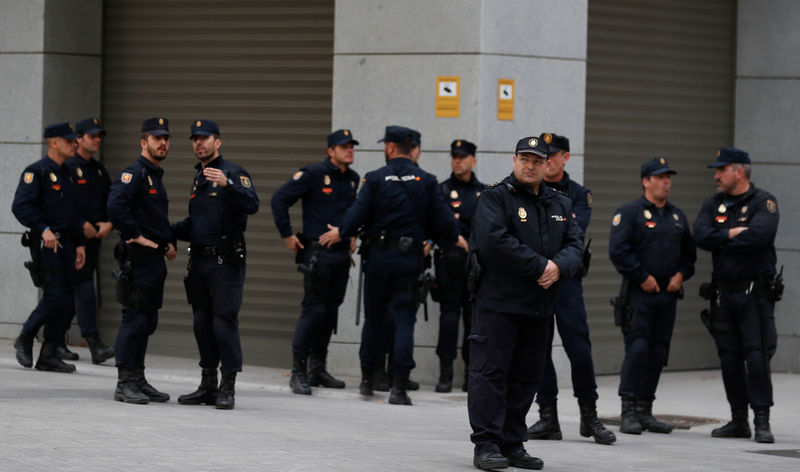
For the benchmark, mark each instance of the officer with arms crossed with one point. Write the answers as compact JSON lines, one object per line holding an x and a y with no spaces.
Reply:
{"x":327,"y":189}
{"x":221,"y":197}
{"x":398,"y":206}
{"x":524,"y":240}
{"x":652,"y":247}
{"x":738,"y":225}
{"x":137,"y":206}
{"x":570,"y":318}
{"x":45,"y":203}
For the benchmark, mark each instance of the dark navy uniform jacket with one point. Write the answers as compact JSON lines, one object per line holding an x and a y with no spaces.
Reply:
{"x":46,"y":197}
{"x":216,"y":211}
{"x":580,"y":196}
{"x":646,"y":240}
{"x":327,"y":193}
{"x":514,"y":233}
{"x":93,"y":185}
{"x":462,"y":197}
{"x":385,"y":203}
{"x":752,"y":252}
{"x":138,"y":204}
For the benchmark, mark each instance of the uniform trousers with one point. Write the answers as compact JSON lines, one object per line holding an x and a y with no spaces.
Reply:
{"x":55,"y":306}
{"x":454,"y":306}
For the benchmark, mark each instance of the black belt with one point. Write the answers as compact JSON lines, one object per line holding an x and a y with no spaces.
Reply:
{"x":742,"y":285}
{"x":208,"y":251}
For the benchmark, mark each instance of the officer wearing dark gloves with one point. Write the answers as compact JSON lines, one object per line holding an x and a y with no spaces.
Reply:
{"x":461,"y":192}
{"x":524,"y":241}
{"x":652,"y":247}
{"x":137,"y":206}
{"x":45,"y":203}
{"x":738,"y":225}
{"x":221,"y":198}
{"x":327,"y":190}
{"x":570,"y":318}
{"x":398,"y":206}
{"x":93,"y":184}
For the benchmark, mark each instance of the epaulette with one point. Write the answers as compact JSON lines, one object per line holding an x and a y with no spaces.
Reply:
{"x":493,"y":184}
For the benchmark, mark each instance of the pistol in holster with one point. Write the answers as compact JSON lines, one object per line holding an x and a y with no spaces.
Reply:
{"x":32,"y":241}
{"x":420,"y":296}
{"x":474,"y":271}
{"x":623,"y":315}
{"x":587,"y":259}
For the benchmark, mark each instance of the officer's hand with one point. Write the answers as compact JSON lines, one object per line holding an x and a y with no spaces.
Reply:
{"x":105,"y":228}
{"x":353,"y":245}
{"x":171,"y":252}
{"x":331,"y":237}
{"x":426,"y":249}
{"x":142,"y":241}
{"x":215,"y":175}
{"x":675,"y":282}
{"x":293,"y":243}
{"x":550,"y":275}
{"x":462,"y":243}
{"x":89,"y":231}
{"x":50,"y":240}
{"x":650,"y":285}
{"x":80,"y":257}
{"x":733,"y":232}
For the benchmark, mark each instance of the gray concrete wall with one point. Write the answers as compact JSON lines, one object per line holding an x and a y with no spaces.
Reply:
{"x":387,"y":55}
{"x":50,"y":71}
{"x":767,"y":114}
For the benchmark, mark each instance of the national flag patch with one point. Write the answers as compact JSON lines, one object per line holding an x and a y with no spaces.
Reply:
{"x":126,"y":177}
{"x":246,"y":181}
{"x":28,"y":177}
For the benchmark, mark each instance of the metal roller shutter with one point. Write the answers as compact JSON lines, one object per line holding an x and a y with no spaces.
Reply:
{"x":660,"y":82}
{"x":264,"y":71}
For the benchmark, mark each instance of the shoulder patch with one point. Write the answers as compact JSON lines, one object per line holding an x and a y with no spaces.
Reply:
{"x":589,"y":199}
{"x":616,"y":220}
{"x":297,"y":175}
{"x":245,"y":181}
{"x":126,"y":177}
{"x":28,"y":177}
{"x":772,"y":207}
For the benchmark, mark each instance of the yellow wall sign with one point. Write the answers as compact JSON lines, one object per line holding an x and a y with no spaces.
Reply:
{"x":505,"y":99}
{"x":448,"y":96}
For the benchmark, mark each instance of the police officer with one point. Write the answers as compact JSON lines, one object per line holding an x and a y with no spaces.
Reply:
{"x":137,"y":206}
{"x":570,"y":318}
{"x":93,"y":184}
{"x":327,"y":189}
{"x":524,"y":240}
{"x":399,"y":205}
{"x":45,"y":203}
{"x":652,"y":247}
{"x":738,"y":226}
{"x":221,"y":197}
{"x":461,"y":192}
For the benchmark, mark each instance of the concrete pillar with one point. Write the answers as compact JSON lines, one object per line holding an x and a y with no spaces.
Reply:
{"x":767,"y":94}
{"x":387,"y":55}
{"x":50,"y":70}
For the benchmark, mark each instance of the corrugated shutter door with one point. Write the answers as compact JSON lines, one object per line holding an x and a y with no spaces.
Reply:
{"x":264,"y":71}
{"x":659,"y":83}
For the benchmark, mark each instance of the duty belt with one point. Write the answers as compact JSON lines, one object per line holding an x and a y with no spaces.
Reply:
{"x":734,"y":285}
{"x":208,"y":251}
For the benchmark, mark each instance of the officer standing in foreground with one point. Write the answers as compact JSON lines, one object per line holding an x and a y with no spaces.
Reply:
{"x":327,"y":189}
{"x":222,"y":196}
{"x":652,"y":247}
{"x":738,"y":225}
{"x":570,"y":318}
{"x":93,"y":184}
{"x":137,"y":206}
{"x":45,"y":203}
{"x":399,"y":205}
{"x":524,"y":240}
{"x":461,"y":192}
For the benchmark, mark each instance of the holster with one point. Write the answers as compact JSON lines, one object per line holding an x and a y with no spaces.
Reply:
{"x":32,"y":241}
{"x":587,"y":259}
{"x":623,"y":315}
{"x":474,"y":271}
{"x":195,"y":296}
{"x":122,"y":277}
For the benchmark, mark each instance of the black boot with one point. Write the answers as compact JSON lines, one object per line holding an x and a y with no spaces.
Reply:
{"x":206,"y":393}
{"x":100,"y":352}
{"x":49,"y":361}
{"x":65,"y":354}
{"x":445,"y":384}
{"x":398,"y":396}
{"x":644,"y":412}
{"x":737,"y":427}
{"x":299,"y":380}
{"x":127,"y":391}
{"x":365,"y":387}
{"x":145,"y":387}
{"x":591,"y":425}
{"x":547,"y":427}
{"x":629,"y":422}
{"x":412,"y":385}
{"x":24,"y":346}
{"x":319,"y":377}
{"x":465,"y":385}
{"x":381,"y":381}
{"x":761,"y":420}
{"x":226,"y":391}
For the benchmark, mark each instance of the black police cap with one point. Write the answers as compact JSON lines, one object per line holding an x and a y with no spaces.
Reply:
{"x":727,"y":156}
{"x":341,"y":136}
{"x":462,"y":147}
{"x":400,"y":134}
{"x":656,"y":166}
{"x":555,"y":142}
{"x":156,"y":126}
{"x":204,"y":128}
{"x":89,"y":126}
{"x":59,"y":130}
{"x":533,"y":145}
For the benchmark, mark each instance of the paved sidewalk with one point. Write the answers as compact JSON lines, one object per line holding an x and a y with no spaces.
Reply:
{"x":69,"y":422}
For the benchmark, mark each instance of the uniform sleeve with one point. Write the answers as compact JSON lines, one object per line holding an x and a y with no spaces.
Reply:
{"x":445,"y":226}
{"x":496,"y":246}
{"x":621,"y":249}
{"x":706,"y":234}
{"x":243,"y":191}
{"x":761,"y":229}
{"x":582,"y":209}
{"x":688,"y":251}
{"x":84,"y":206}
{"x":285,"y":197}
{"x":24,"y":206}
{"x":120,"y":202}
{"x":357,"y":214}
{"x":570,"y":258}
